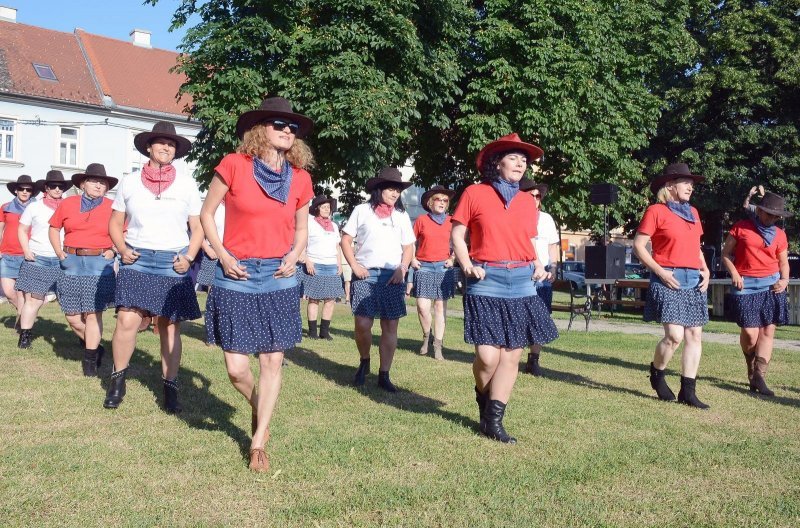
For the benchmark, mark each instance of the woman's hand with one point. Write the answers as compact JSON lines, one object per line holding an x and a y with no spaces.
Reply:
{"x":108,"y":254}
{"x":538,"y":271}
{"x":476,"y":272}
{"x":450,"y":262}
{"x":668,"y":279}
{"x":310,"y":269}
{"x":780,"y":286}
{"x":180,"y":263}
{"x":288,"y":266}
{"x":29,"y":256}
{"x":360,"y":271}
{"x":232,"y":268}
{"x":210,"y":253}
{"x":705,"y":276}
{"x":61,"y":254}
{"x":398,"y":277}
{"x":737,"y":281}
{"x":129,"y":255}
{"x":415,"y":264}
{"x":339,"y":269}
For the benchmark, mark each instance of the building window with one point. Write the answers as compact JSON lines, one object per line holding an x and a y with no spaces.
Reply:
{"x":45,"y":72}
{"x":68,"y":147}
{"x":7,"y":139}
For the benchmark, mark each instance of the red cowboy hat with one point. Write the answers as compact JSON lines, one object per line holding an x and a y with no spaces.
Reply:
{"x":506,"y":143}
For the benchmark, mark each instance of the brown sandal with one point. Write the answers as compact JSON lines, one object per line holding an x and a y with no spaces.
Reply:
{"x":259,"y":461}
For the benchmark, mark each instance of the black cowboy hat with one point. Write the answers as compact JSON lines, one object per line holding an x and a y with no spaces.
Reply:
{"x":94,"y":170}
{"x":12,"y":186}
{"x":320,"y":200}
{"x":436,"y":189}
{"x":273,"y":107}
{"x":527,"y":184}
{"x":673,"y":171}
{"x":387,"y":175}
{"x":508,"y":143}
{"x":53,"y":176}
{"x":774,"y":204}
{"x":162,"y":129}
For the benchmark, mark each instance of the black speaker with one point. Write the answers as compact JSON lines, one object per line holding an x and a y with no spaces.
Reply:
{"x":605,"y":262}
{"x":794,"y":265}
{"x":603,"y":194}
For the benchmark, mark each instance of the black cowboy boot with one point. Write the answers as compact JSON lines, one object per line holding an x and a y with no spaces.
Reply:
{"x":495,"y":410}
{"x":481,"y":400}
{"x":384,"y":382}
{"x":116,"y":389}
{"x":759,"y":383}
{"x":25,"y":338}
{"x":89,"y":362}
{"x":361,"y":373}
{"x":686,"y":394}
{"x":171,"y":403}
{"x":325,"y":329}
{"x":312,"y":330}
{"x":532,"y":366}
{"x":659,"y":384}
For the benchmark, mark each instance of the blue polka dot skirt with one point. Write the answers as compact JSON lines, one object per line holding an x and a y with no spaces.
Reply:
{"x":757,"y":310}
{"x":323,"y":286}
{"x":434,"y":284}
{"x":170,"y":297}
{"x":684,"y":307}
{"x":86,"y":293}
{"x":508,"y":323}
{"x":252,"y":323}
{"x":544,"y":289}
{"x":374,"y":298}
{"x":38,"y":279}
{"x":205,"y":277}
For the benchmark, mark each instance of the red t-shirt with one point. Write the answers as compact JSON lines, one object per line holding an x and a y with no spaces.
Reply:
{"x":496,"y":233}
{"x":87,"y":230}
{"x":433,"y":240}
{"x":751,"y":257}
{"x":257,"y":226}
{"x":10,"y":244}
{"x":676,"y":242}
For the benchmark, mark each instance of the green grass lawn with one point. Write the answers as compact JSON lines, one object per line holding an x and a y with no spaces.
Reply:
{"x":595,"y":447}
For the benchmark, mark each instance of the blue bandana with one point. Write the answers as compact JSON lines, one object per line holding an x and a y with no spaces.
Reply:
{"x":506,"y":190}
{"x":87,"y":204}
{"x":439,"y":218}
{"x":276,"y":185}
{"x":682,"y":209}
{"x":16,"y":207}
{"x":767,"y":232}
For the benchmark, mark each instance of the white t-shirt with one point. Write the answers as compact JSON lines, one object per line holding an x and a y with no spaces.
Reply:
{"x":323,"y":246}
{"x":219,"y":220}
{"x":379,"y":242}
{"x":37,"y":216}
{"x":160,"y":224}
{"x":547,"y":235}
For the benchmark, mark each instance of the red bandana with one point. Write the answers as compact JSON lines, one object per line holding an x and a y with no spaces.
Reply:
{"x":158,"y":180}
{"x":52,"y":203}
{"x":326,"y":223}
{"x":384,"y":211}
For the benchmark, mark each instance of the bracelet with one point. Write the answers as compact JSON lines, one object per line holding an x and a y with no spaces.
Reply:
{"x":190,"y":259}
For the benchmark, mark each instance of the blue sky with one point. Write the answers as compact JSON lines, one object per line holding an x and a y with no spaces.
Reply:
{"x":110,"y":18}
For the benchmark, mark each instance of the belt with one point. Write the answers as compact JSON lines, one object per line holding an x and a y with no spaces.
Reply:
{"x":85,"y":252}
{"x":511,"y":264}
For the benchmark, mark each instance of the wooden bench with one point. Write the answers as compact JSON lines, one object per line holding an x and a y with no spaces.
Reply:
{"x":579,"y":304}
{"x":619,"y":296}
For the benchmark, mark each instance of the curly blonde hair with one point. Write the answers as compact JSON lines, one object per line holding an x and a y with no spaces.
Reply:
{"x":255,"y":143}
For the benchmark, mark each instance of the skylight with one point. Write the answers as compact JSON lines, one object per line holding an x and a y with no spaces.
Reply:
{"x":45,"y":72}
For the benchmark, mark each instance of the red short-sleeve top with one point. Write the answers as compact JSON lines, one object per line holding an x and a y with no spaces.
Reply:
{"x":87,"y":230}
{"x":433,"y":240}
{"x":675,"y":241}
{"x":10,"y":243}
{"x":751,"y":257}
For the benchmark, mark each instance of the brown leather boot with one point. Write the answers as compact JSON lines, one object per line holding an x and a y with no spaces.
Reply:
{"x":437,"y":350}
{"x":759,"y":383}
{"x":423,"y":349}
{"x":750,"y":361}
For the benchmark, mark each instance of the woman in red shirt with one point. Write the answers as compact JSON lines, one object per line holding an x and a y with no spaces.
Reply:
{"x":434,"y":278}
{"x":11,"y":255}
{"x":87,"y":258}
{"x":756,"y":255}
{"x":254,"y":307}
{"x":678,"y":278}
{"x":502,"y":313}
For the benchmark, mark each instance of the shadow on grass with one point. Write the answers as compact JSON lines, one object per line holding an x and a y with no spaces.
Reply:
{"x":201,"y":409}
{"x":404,"y":400}
{"x":745,"y":390}
{"x":592,"y":358}
{"x":412,"y":345}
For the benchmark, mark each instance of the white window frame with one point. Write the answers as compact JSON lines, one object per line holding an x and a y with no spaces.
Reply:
{"x":77,"y":143}
{"x":135,"y":158}
{"x":14,"y":134}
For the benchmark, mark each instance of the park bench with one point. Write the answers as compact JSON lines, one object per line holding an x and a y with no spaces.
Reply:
{"x":624,"y":292}
{"x":579,"y":304}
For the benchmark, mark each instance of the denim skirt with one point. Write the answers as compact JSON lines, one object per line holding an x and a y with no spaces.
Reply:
{"x":152,"y":286}
{"x":686,"y":306}
{"x":326,"y":283}
{"x":9,"y":266}
{"x":40,"y":276}
{"x":257,"y":315}
{"x":87,"y":284}
{"x":503,"y":310}
{"x":757,"y":306}
{"x":375,"y":297}
{"x":434,"y":281}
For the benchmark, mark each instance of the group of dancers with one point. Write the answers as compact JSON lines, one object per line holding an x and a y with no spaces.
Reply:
{"x":505,"y":247}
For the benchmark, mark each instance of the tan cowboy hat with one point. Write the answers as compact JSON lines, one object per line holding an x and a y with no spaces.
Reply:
{"x":162,"y":129}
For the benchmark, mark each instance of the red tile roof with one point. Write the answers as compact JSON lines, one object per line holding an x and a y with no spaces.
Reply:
{"x":22,"y":45}
{"x":134,"y":76}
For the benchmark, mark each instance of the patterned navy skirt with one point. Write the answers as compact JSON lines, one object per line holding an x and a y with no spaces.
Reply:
{"x":373,"y":297}
{"x":39,"y":277}
{"x":87,"y":285}
{"x":434,"y":281}
{"x":205,"y":277}
{"x":757,"y":306}
{"x":257,"y":315}
{"x":152,"y":286}
{"x":326,"y":283}
{"x":503,"y":310}
{"x":10,"y":265}
{"x":687,"y":306}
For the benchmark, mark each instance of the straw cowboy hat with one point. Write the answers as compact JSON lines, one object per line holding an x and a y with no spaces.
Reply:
{"x":387,"y":175}
{"x":273,"y":107}
{"x":506,"y":143}
{"x":162,"y":129}
{"x":94,"y":170}
{"x":671,"y":172}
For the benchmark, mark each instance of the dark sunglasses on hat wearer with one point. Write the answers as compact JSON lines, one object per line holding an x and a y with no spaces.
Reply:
{"x":280,"y":124}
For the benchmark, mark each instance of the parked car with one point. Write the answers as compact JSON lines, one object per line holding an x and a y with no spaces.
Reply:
{"x":636,"y":270}
{"x":575,"y":272}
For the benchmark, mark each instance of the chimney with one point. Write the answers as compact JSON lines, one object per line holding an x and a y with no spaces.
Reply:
{"x":8,"y":14}
{"x":140,"y":37}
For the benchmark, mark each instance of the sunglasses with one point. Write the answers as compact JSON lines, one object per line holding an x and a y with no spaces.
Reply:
{"x":537,"y":196}
{"x":443,"y":200}
{"x":24,"y":189}
{"x":62,"y":186}
{"x":280,"y":124}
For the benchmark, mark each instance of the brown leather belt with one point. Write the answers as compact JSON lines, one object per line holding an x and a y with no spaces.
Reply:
{"x":81,"y":252}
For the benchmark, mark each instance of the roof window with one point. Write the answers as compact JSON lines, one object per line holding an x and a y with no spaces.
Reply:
{"x":45,"y":72}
